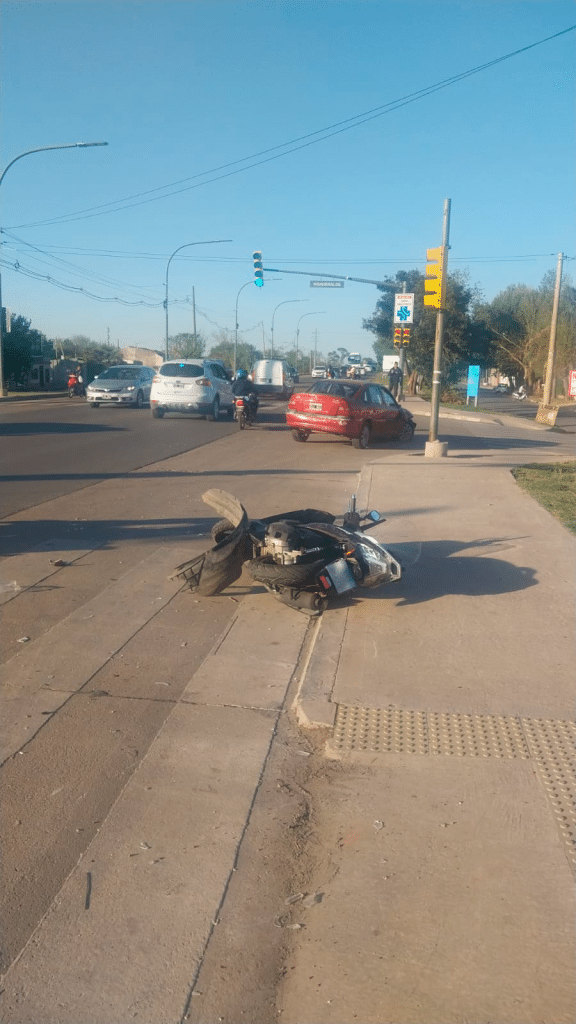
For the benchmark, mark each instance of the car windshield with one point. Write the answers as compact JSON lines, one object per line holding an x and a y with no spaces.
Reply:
{"x":335,"y":387}
{"x":182,"y":370}
{"x":120,"y":373}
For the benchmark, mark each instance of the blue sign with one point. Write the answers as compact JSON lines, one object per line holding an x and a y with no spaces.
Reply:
{"x":473,"y":381}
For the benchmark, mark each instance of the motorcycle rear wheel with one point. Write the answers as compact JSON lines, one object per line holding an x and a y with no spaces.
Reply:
{"x":264,"y":571}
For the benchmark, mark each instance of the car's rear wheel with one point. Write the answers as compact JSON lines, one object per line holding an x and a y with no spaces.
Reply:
{"x":363,"y":440}
{"x":213,"y":416}
{"x":157,"y":413}
{"x":300,"y":435}
{"x":139,"y":403}
{"x":95,"y":405}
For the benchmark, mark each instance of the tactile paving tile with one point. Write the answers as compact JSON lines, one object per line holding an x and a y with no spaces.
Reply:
{"x":550,"y":743}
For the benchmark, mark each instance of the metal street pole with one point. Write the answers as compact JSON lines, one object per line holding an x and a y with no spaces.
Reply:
{"x":39,"y":149}
{"x":549,"y":383}
{"x":236,"y":323}
{"x":437,"y":372}
{"x":273,"y":315}
{"x":317,"y":312}
{"x":212,"y":241}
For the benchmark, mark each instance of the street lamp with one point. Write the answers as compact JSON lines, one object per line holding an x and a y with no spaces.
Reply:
{"x":273,"y":315}
{"x":316,"y":313}
{"x":39,"y":149}
{"x":185,"y":246}
{"x":236,"y":323}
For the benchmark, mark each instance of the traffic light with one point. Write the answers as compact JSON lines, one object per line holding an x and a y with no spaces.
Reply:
{"x":406,"y":337}
{"x":433,"y":282}
{"x":397,"y":337}
{"x":258,"y":270}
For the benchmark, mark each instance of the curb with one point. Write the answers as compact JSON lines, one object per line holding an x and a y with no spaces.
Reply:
{"x":27,"y":397}
{"x":313,"y":703}
{"x":502,"y":420}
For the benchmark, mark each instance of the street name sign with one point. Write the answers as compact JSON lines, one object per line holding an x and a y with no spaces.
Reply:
{"x":326,"y":284}
{"x":404,"y":308}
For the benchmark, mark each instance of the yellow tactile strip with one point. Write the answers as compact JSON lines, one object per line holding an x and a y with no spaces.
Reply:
{"x":550,"y":743}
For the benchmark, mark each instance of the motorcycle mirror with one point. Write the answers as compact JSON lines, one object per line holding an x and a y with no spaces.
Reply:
{"x":374,"y":516}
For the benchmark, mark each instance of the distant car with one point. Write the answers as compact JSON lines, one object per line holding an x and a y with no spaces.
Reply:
{"x":369,"y":365}
{"x":320,"y":371}
{"x":191,"y":385}
{"x":502,"y":389}
{"x":352,"y":409}
{"x":121,"y":385}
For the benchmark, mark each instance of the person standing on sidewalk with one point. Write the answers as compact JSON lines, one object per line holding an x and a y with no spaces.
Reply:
{"x":395,"y":379}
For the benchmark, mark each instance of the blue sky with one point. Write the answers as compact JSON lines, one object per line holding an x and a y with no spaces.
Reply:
{"x":178,"y":89}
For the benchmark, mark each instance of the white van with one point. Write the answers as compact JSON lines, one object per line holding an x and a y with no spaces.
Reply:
{"x":272,"y":377}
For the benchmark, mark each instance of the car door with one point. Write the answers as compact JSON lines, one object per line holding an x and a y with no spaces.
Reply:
{"x":223,"y":384}
{"x":371,"y":408}
{"x":391,"y":412}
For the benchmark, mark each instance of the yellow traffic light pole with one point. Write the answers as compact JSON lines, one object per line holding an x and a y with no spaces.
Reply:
{"x":436,"y":273}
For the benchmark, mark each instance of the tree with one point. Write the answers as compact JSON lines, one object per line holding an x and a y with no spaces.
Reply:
{"x":467,"y":339}
{"x":519,"y":321}
{"x":223,"y":348}
{"x":186,"y":346}
{"x":19,"y":348}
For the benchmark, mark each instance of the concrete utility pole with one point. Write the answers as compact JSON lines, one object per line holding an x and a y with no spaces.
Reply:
{"x":194,"y":312}
{"x":402,"y":359}
{"x":435,"y":447}
{"x":549,"y":383}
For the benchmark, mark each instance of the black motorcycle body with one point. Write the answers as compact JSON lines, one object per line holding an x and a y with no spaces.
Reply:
{"x":303,"y":557}
{"x":244,"y":411}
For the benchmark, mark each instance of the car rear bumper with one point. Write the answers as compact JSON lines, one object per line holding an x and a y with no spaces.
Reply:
{"x":274,"y":390}
{"x":323,"y":424}
{"x":169,"y":405}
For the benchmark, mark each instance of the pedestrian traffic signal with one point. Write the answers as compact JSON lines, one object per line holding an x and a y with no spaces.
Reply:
{"x":406,"y":337}
{"x":397,"y":336}
{"x":258,"y":269}
{"x":433,"y":281}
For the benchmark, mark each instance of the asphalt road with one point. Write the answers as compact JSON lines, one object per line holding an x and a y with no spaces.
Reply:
{"x":59,"y":445}
{"x":505,"y":404}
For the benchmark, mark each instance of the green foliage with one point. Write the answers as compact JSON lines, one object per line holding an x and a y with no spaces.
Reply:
{"x":466,"y":338}
{"x":223,"y":348}
{"x":19,"y":347}
{"x":186,"y":346}
{"x":554,"y":486}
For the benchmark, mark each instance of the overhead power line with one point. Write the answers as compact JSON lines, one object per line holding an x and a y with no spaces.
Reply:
{"x":302,"y":142}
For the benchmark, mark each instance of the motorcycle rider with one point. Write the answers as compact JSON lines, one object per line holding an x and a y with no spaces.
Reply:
{"x":244,"y":386}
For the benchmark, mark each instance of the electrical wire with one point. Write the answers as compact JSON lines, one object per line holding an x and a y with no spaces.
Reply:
{"x":306,"y":140}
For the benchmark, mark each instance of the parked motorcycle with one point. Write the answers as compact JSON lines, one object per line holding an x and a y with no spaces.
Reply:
{"x":75,"y":386}
{"x":520,"y":394}
{"x":244,"y":411}
{"x":303,"y":557}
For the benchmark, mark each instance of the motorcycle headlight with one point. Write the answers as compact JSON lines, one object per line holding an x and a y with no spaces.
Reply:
{"x":378,"y":565}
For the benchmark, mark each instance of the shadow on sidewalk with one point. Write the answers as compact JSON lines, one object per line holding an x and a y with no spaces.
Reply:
{"x":16,"y":538}
{"x":434,"y":569}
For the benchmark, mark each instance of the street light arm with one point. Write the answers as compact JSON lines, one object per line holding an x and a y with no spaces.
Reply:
{"x":212,"y":241}
{"x":44,"y":149}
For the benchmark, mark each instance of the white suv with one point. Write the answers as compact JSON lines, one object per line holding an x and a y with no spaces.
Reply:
{"x":191,"y":385}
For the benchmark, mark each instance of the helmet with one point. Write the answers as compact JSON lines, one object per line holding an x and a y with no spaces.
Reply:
{"x":241,"y":374}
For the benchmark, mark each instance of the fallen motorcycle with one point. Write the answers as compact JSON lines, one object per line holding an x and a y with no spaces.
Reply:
{"x":303,"y":557}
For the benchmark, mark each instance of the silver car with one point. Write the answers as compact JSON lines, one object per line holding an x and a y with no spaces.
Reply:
{"x":121,"y":385}
{"x":192,"y":385}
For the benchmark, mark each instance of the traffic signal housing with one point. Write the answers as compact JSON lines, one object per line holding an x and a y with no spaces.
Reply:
{"x":397,"y":337}
{"x":406,"y":337}
{"x":258,"y":269}
{"x":434,"y":280}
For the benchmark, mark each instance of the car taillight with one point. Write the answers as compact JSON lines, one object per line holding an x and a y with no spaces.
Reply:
{"x":342,"y":410}
{"x":156,"y":379}
{"x":203,"y":382}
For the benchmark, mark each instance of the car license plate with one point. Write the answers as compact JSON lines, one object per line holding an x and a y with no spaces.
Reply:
{"x":316,"y":406}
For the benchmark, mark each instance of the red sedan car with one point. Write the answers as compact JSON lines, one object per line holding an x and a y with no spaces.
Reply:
{"x":351,"y":409}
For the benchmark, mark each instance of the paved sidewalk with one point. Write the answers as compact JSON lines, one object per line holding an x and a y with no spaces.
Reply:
{"x":449,"y":832}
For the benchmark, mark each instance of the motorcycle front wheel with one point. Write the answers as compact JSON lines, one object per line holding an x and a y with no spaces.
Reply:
{"x":264,"y":571}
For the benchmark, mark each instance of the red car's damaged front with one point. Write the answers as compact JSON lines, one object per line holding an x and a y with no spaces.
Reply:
{"x":355,"y":410}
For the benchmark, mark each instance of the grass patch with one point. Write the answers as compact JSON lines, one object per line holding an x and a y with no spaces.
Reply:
{"x":554,"y":487}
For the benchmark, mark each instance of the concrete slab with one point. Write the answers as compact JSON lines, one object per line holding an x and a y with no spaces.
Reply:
{"x":40,"y":679}
{"x":127,"y":932}
{"x":434,"y":640}
{"x":446,"y":897}
{"x":255,"y":660}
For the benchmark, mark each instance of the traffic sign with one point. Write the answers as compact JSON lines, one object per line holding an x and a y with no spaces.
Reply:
{"x":404,"y":308}
{"x":326,"y":284}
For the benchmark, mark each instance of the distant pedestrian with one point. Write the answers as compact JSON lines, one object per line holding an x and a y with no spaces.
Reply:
{"x":395,"y":378}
